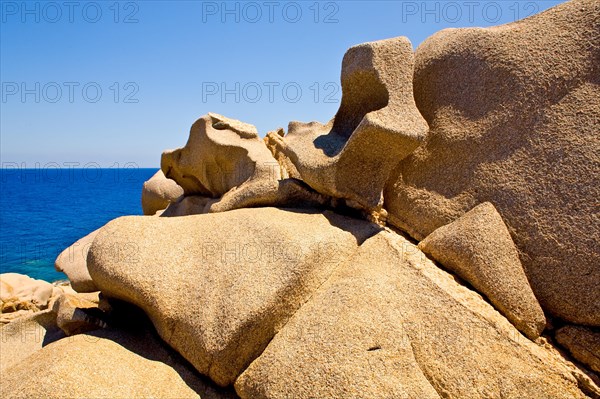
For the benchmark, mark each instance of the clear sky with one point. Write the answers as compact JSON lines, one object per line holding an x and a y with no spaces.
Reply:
{"x":111,"y":83}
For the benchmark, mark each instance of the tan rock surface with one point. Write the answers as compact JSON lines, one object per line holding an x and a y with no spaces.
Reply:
{"x":158,"y":192}
{"x":477,"y":246}
{"x":514,"y":112}
{"x":22,"y":337}
{"x":224,"y":158}
{"x":188,"y":205}
{"x":219,"y":286}
{"x":107,"y":364}
{"x":73,"y":262}
{"x":288,"y":192}
{"x":390,"y":324}
{"x":583,"y":343}
{"x":11,"y":316}
{"x":377,"y":124}
{"x":308,"y":304}
{"x":21,"y":292}
{"x":79,"y":313}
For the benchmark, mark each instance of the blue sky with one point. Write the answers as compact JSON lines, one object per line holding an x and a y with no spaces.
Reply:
{"x":112,"y":83}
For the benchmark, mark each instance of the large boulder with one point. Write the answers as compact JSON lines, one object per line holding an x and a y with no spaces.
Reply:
{"x":158,"y":192}
{"x":73,"y":262}
{"x":376,"y":125}
{"x":106,"y":364}
{"x":514,"y":112}
{"x":390,"y":324}
{"x":478,"y":247}
{"x":219,"y":286}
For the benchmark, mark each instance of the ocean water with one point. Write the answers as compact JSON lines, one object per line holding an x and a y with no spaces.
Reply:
{"x":44,"y":210}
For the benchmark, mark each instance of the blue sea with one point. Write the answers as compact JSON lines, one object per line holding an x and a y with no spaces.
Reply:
{"x":44,"y":210}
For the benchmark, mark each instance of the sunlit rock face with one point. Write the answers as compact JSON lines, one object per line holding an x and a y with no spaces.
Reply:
{"x":218,"y":286}
{"x":377,"y":125}
{"x":514,"y":112}
{"x":269,"y":267}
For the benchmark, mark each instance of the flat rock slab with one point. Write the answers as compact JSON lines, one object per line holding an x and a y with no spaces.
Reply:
{"x":219,"y":286}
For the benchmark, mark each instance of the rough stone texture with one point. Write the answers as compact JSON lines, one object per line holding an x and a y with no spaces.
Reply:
{"x":289,"y":192}
{"x":218,"y":286}
{"x":21,"y":292}
{"x":224,"y":158}
{"x":158,"y":193}
{"x":514,"y":112}
{"x":9,"y":317}
{"x":22,"y":337}
{"x":289,"y":304}
{"x":390,"y":324}
{"x":107,"y":364}
{"x":79,"y":313}
{"x":188,"y":205}
{"x":477,"y":246}
{"x":583,"y":343}
{"x":27,"y":308}
{"x":73,"y":262}
{"x":377,"y":124}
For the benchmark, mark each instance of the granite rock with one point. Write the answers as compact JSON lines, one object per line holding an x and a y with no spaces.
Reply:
{"x":478,"y":247}
{"x":219,"y":286}
{"x":390,"y":324}
{"x":376,"y":125}
{"x":158,"y":193}
{"x":513,"y":112}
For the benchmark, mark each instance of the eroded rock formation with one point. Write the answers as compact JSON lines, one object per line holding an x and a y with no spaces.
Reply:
{"x":377,"y":125}
{"x":583,"y":343}
{"x":514,"y":112}
{"x":295,"y":302}
{"x":79,"y":313}
{"x":23,"y":293}
{"x":25,"y":336}
{"x":389,"y":323}
{"x":105,"y":365}
{"x":220,"y":294}
{"x":225,"y":159}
